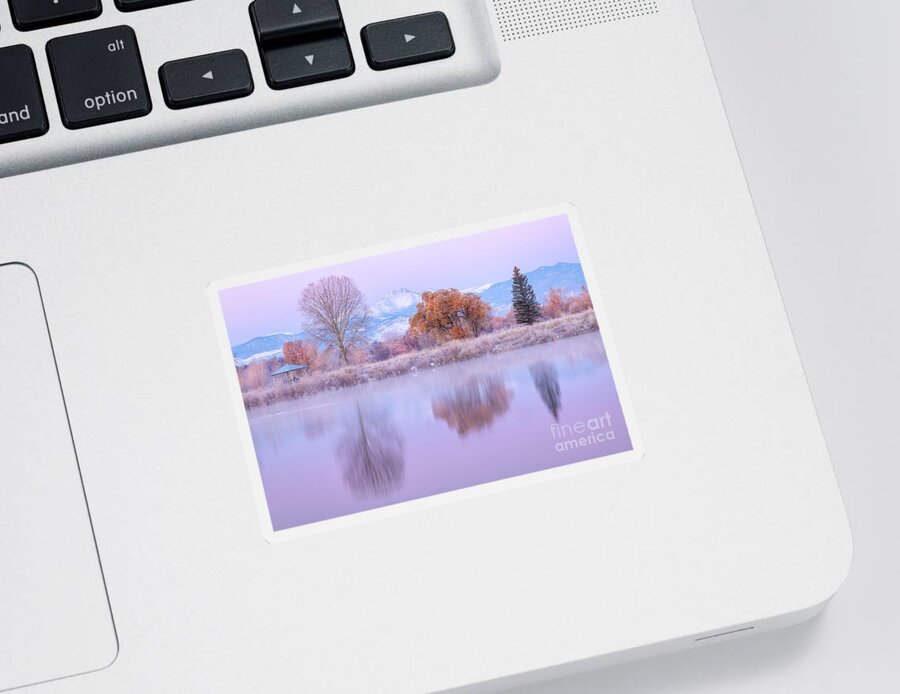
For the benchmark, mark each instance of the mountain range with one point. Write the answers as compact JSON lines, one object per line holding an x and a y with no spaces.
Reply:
{"x":390,"y":315}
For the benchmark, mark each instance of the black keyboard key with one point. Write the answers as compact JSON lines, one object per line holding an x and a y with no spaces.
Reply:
{"x":206,"y":79}
{"x":131,"y":5}
{"x":297,"y":64}
{"x":37,"y":14}
{"x":99,"y":77}
{"x":284,"y":19}
{"x":22,"y":111}
{"x":408,"y":40}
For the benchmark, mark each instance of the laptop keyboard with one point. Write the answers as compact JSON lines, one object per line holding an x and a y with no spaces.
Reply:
{"x":99,"y":77}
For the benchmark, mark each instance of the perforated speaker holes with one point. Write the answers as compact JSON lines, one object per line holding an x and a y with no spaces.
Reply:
{"x":521,"y":19}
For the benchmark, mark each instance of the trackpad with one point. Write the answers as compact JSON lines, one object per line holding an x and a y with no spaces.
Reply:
{"x":55,"y":619}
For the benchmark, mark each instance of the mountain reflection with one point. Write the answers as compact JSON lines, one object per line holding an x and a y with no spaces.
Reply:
{"x":546,"y":380}
{"x":371,"y":454}
{"x":474,"y":405}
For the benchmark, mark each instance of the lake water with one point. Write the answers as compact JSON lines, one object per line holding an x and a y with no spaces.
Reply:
{"x":425,"y":433}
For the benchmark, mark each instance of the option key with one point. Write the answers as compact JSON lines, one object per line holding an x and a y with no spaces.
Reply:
{"x":99,"y":77}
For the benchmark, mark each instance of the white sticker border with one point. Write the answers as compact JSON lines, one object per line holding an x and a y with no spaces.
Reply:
{"x":452,"y":496}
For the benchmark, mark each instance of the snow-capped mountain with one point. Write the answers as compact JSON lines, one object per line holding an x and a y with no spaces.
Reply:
{"x":390,"y":315}
{"x":263,"y":346}
{"x":568,"y":277}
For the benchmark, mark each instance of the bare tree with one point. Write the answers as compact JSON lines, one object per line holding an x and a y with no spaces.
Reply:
{"x":334,"y":312}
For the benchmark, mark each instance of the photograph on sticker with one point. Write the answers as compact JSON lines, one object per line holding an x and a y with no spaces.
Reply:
{"x":422,"y":371}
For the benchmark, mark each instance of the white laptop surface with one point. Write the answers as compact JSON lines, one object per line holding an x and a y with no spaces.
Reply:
{"x":470,"y":368}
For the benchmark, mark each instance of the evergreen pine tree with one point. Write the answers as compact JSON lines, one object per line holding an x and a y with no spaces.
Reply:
{"x":525,"y":305}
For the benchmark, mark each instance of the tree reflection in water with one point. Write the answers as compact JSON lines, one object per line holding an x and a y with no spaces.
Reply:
{"x":474,"y":405}
{"x":371,"y":454}
{"x":546,"y":380}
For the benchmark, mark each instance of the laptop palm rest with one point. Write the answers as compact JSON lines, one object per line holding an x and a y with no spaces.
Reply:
{"x":55,"y":619}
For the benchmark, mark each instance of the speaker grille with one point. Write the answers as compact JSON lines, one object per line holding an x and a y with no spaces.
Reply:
{"x":521,"y":19}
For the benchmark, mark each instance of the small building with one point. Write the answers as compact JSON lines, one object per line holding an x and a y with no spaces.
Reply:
{"x":288,"y":373}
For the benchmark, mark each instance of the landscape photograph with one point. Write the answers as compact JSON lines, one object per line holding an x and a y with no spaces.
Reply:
{"x":435,"y":368}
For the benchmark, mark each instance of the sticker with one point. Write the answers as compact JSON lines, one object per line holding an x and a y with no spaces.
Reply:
{"x":414,"y":374}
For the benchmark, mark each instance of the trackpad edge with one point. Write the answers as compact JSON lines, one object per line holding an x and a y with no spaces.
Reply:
{"x":55,"y":618}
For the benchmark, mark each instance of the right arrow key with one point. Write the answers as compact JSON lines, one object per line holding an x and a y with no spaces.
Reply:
{"x":408,"y":40}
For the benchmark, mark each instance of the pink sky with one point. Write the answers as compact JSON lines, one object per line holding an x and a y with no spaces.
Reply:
{"x":270,"y":306}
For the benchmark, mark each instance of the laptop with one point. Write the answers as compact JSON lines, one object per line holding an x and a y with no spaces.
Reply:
{"x":386,"y":347}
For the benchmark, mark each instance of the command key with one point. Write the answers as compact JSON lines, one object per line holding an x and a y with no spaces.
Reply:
{"x":21,"y":104}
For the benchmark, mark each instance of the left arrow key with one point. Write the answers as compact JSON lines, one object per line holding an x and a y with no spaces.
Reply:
{"x":206,"y":79}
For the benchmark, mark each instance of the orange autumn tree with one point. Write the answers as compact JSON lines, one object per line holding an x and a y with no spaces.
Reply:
{"x":555,"y":304}
{"x":300,"y":353}
{"x":581,"y":302}
{"x":449,"y":314}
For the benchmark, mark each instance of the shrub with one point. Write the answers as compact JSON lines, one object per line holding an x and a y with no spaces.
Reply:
{"x":403,"y":363}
